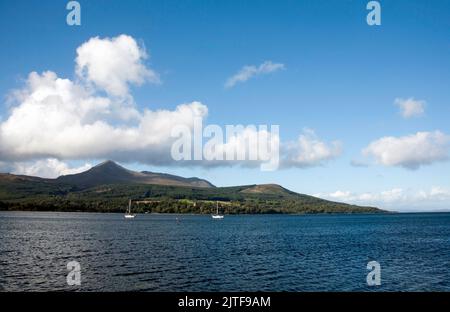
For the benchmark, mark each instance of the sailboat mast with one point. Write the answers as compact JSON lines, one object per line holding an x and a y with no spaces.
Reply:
{"x":129,"y":206}
{"x":217,"y":207}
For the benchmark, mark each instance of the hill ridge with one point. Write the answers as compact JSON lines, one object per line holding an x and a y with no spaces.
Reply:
{"x":108,"y":186}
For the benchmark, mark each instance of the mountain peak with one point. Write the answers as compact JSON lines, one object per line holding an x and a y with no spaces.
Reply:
{"x":108,"y":163}
{"x":111,"y":168}
{"x":109,"y":172}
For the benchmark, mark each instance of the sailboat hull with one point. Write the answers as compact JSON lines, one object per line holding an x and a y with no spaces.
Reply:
{"x":217,"y":215}
{"x":128,"y":214}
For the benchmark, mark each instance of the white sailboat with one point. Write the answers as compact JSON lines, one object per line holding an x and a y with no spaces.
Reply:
{"x":128,"y":214}
{"x":217,"y":215}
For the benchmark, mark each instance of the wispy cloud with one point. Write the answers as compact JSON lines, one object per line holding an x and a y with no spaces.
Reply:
{"x":358,"y":163}
{"x":247,"y":72}
{"x":411,"y":107}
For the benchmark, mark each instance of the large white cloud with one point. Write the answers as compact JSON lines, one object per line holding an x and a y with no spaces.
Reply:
{"x":410,"y":107}
{"x":412,"y":151}
{"x":112,"y":64}
{"x":59,"y":118}
{"x":247,"y":72}
{"x":62,"y":120}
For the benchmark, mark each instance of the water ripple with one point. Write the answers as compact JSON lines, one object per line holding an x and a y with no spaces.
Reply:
{"x":239,"y":253}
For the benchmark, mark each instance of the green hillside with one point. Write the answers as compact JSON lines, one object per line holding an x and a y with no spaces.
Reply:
{"x":79,"y":194}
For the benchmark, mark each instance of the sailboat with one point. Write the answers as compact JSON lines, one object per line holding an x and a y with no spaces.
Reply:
{"x":128,"y":214}
{"x":217,"y":215}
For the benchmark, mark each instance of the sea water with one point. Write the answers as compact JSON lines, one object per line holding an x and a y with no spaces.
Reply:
{"x":239,"y":253}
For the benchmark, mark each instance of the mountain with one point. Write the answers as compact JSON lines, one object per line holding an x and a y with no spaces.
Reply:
{"x":109,"y":172}
{"x":107,"y":187}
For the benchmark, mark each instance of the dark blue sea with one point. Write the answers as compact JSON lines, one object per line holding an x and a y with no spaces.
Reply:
{"x":240,"y":253}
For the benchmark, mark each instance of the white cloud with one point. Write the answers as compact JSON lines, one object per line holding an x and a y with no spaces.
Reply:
{"x":412,"y":151}
{"x":399,"y":199}
{"x":310,"y":151}
{"x":440,"y":193}
{"x":410,"y":107}
{"x":47,"y":168}
{"x":248,"y":146}
{"x":112,"y":64}
{"x":384,"y":196}
{"x":60,"y":119}
{"x":248,"y":72}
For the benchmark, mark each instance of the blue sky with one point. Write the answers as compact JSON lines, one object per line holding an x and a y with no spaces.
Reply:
{"x":341,"y":79}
